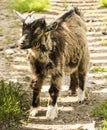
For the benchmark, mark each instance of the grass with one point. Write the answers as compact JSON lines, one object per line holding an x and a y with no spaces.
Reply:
{"x":103,"y":42}
{"x":13,"y":105}
{"x":65,"y":4}
{"x":103,"y":3}
{"x":30,"y":5}
{"x":106,"y":76}
{"x":101,"y":111}
{"x":104,"y":125}
{"x":8,"y":39}
{"x":99,"y":69}
{"x":44,"y":102}
{"x":1,"y":31}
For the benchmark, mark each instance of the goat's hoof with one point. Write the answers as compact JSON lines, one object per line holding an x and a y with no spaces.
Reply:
{"x":81,"y":100}
{"x":72,"y":93}
{"x":52,"y":112}
{"x":33,"y":111}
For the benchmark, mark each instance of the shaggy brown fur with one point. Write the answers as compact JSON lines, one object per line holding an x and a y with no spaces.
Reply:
{"x":56,"y":49}
{"x":61,"y":50}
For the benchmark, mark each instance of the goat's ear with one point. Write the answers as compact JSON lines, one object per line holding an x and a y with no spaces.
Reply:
{"x":19,"y":15}
{"x":52,"y":26}
{"x":43,"y":22}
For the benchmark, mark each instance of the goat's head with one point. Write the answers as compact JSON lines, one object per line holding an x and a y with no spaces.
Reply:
{"x":33,"y":29}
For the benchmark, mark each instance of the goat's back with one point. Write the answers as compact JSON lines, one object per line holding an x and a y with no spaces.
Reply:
{"x":70,"y":37}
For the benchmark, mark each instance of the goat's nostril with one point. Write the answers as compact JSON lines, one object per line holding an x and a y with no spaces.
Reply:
{"x":22,"y":43}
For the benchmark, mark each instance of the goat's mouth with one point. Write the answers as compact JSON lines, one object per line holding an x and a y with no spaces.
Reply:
{"x":28,"y":45}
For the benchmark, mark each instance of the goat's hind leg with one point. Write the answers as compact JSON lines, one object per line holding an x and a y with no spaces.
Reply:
{"x":52,"y":111}
{"x":81,"y":89}
{"x":74,"y":83}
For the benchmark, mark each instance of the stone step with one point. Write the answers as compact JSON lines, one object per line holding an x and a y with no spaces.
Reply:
{"x":97,"y":75}
{"x":96,"y":11}
{"x":95,"y":34}
{"x":98,"y":56}
{"x":98,"y":62}
{"x":97,"y":43}
{"x":92,"y":39}
{"x":98,"y":49}
{"x":97,"y":24}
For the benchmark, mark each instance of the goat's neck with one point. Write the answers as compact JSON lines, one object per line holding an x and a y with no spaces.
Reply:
{"x":46,"y":41}
{"x":43,"y":48}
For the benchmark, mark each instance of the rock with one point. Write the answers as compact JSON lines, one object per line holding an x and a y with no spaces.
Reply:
{"x":9,"y":51}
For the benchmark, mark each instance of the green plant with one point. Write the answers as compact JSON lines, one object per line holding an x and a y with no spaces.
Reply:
{"x":104,"y":125}
{"x":100,"y":110}
{"x":65,"y":4}
{"x":1,"y":31}
{"x":103,"y":42}
{"x":13,"y":105}
{"x":8,"y":39}
{"x":103,"y":3}
{"x":45,"y":102}
{"x":30,"y":5}
{"x":99,"y":69}
{"x":105,"y":76}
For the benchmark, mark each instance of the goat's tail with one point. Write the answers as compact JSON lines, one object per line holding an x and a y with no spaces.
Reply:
{"x":77,"y":11}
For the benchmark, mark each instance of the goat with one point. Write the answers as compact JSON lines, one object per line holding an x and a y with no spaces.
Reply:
{"x":54,"y":49}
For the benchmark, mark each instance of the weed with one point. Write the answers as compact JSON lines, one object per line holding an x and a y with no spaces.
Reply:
{"x":13,"y":105}
{"x":106,"y":76}
{"x":65,"y":4}
{"x":30,"y":5}
{"x":45,"y":102}
{"x":100,"y":110}
{"x":8,"y":57}
{"x":1,"y":31}
{"x":99,"y":69}
{"x":103,"y":3}
{"x":103,"y":42}
{"x":8,"y":39}
{"x":104,"y":125}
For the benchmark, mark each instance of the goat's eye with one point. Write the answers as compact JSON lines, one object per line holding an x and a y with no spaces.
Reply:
{"x":38,"y":32}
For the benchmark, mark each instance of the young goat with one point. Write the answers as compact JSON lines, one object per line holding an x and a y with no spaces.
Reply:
{"x":55,"y":49}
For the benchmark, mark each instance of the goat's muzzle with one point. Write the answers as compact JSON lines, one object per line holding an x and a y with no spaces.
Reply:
{"x":23,"y":43}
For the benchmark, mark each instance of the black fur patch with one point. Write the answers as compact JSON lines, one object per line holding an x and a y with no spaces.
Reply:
{"x":63,"y":17}
{"x":36,"y":99}
{"x":54,"y":94}
{"x":40,"y":66}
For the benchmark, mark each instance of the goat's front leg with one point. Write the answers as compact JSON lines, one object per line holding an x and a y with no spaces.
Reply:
{"x":56,"y":82}
{"x":36,"y":86}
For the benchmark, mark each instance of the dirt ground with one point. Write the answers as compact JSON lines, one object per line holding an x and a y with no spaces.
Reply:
{"x":14,"y":66}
